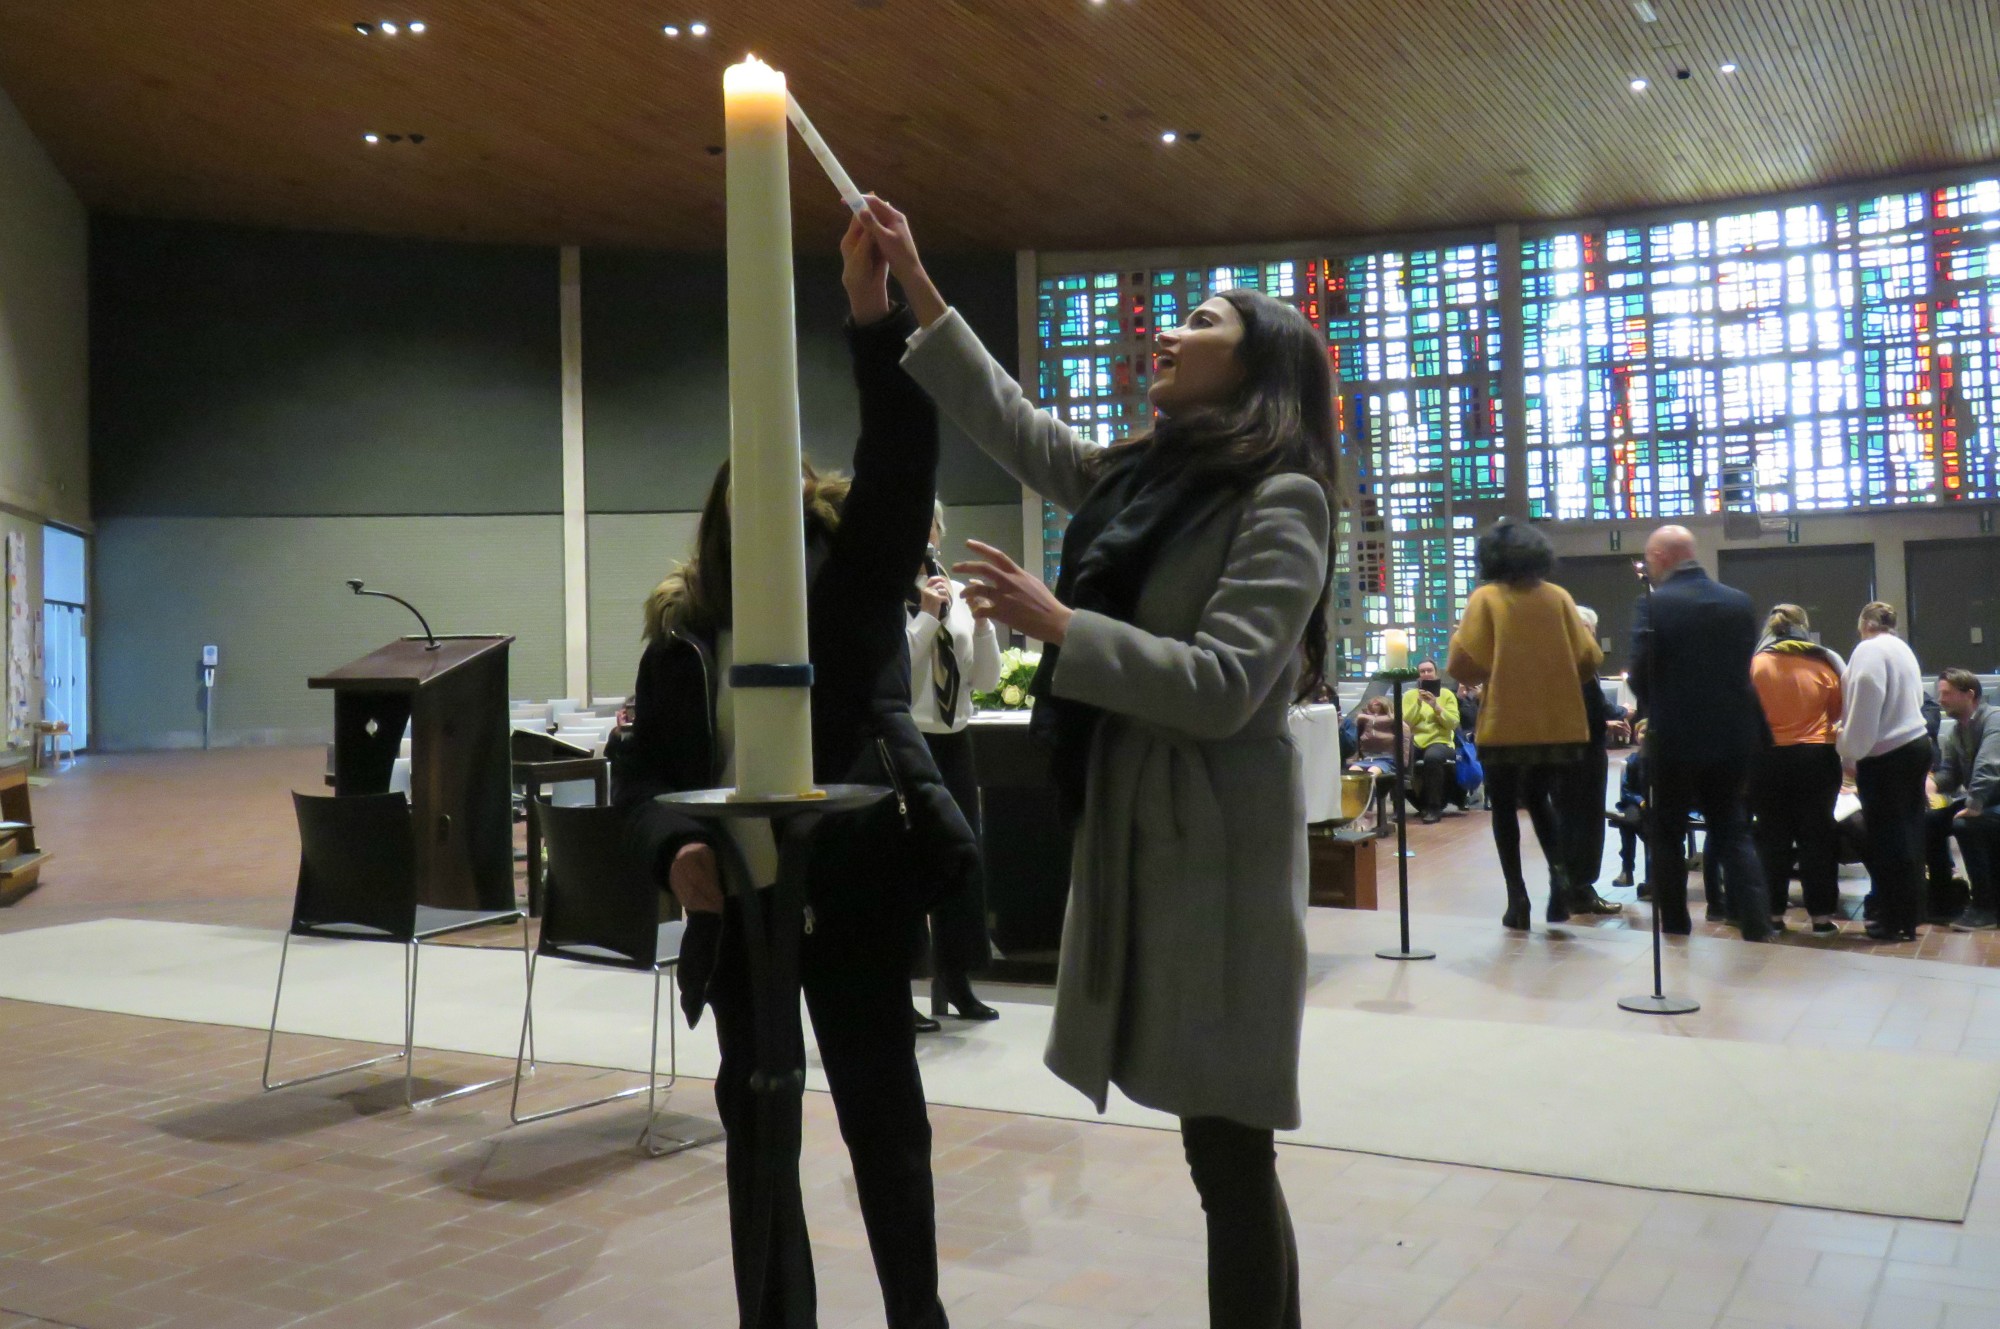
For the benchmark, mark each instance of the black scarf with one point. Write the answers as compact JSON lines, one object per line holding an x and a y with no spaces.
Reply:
{"x":1145,"y":496}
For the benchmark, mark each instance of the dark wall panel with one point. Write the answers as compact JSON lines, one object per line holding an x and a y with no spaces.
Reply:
{"x":1609,"y":585}
{"x":240,"y":372}
{"x":1830,"y":582}
{"x":656,"y":374}
{"x":1954,"y":610}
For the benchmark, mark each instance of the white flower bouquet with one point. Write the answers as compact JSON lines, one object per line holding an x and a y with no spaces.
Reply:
{"x":1017,"y":671}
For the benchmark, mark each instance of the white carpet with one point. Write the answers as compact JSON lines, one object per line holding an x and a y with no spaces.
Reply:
{"x":1878,"y":1132}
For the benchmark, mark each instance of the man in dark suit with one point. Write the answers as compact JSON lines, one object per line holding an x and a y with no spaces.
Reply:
{"x":1692,"y":640}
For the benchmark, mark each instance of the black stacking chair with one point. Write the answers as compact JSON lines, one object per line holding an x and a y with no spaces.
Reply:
{"x":358,"y":882}
{"x":602,"y":906}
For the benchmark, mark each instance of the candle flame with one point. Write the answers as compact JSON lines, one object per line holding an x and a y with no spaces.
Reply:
{"x":752,"y":76}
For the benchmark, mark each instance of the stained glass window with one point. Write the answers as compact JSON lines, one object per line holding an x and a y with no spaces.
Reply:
{"x":1799,"y":356}
{"x":1415,"y":338}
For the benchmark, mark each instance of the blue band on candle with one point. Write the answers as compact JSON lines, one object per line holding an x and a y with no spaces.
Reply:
{"x":771,"y":676}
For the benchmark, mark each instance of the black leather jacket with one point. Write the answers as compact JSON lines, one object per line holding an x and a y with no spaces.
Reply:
{"x":916,"y":847}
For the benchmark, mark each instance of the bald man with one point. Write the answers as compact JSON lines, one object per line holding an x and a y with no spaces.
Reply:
{"x":1692,"y":639}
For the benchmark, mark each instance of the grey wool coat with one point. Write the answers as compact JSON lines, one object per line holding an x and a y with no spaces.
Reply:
{"x":1183,"y":970}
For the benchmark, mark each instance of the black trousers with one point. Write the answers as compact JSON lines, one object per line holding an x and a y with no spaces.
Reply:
{"x":1792,"y":792}
{"x":1582,"y":820}
{"x":1509,"y":788}
{"x":959,"y":943}
{"x":1253,"y":1258}
{"x":1435,"y":770}
{"x":1978,"y":842}
{"x":855,"y":969}
{"x":1891,"y":788}
{"x":1716,"y":788}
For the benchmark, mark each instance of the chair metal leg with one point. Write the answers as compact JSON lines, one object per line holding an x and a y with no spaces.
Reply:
{"x":650,"y":1140}
{"x":409,"y":1041}
{"x":271,"y":1037}
{"x":528,"y":1007}
{"x":524,"y":1050}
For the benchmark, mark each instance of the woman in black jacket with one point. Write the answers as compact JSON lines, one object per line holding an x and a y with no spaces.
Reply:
{"x":869,"y":871}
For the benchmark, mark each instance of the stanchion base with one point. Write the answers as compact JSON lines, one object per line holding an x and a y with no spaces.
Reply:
{"x":1648,"y":1004}
{"x":1415,"y":953}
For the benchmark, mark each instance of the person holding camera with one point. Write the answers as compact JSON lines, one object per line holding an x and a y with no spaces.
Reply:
{"x":1432,"y":716}
{"x":953,"y":654}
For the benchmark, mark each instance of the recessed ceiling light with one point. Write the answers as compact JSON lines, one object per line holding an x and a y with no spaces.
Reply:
{"x":365,"y":29}
{"x":417,"y":28}
{"x":371,"y":138}
{"x":698,"y":29}
{"x":1644,"y":11}
{"x":1729,"y":68}
{"x":671,"y":30}
{"x":1638,"y":85}
{"x":388,"y":29}
{"x":1170,"y":137}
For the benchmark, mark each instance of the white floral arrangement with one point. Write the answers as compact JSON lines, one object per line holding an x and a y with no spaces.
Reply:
{"x":1017,"y":671}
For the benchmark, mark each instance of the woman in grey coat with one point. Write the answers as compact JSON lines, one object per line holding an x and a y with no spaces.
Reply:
{"x":1191,"y":611}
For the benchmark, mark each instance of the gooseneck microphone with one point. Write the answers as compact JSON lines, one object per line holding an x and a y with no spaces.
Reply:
{"x":356,"y":585}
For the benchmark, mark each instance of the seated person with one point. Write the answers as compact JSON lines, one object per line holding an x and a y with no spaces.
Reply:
{"x":1968,"y":778}
{"x":1630,"y":811}
{"x":1470,"y":697}
{"x":1379,"y":739}
{"x":1431,"y":714}
{"x":1378,"y":736}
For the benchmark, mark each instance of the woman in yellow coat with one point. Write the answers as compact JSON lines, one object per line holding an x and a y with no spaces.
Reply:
{"x":1522,"y":638}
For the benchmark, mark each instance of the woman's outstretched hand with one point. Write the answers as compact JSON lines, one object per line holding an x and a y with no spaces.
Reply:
{"x":891,"y":231}
{"x":864,"y":271}
{"x":998,"y":588}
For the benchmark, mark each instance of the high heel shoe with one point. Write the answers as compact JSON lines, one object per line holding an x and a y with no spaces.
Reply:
{"x":947,"y":994}
{"x":922,"y":1023}
{"x":1519,"y":912}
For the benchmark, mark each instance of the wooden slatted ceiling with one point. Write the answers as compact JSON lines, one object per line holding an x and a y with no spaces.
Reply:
{"x":999,"y":123}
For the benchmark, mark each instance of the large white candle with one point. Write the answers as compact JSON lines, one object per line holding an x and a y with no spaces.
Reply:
{"x":768,"y":579}
{"x":1395,"y":649}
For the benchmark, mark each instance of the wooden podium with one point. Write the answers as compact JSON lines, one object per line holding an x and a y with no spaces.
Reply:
{"x":454,"y":699}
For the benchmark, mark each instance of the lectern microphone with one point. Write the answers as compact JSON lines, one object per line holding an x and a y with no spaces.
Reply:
{"x":356,"y":585}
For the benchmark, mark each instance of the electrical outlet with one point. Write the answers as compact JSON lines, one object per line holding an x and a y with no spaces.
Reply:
{"x":1979,"y":636}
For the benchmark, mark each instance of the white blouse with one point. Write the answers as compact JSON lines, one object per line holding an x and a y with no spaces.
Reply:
{"x":977,"y":646}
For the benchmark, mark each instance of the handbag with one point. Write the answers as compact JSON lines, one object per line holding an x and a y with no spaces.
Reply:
{"x":1465,"y":763}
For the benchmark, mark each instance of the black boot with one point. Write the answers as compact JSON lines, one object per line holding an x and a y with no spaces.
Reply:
{"x":951,"y":993}
{"x":1519,"y":911}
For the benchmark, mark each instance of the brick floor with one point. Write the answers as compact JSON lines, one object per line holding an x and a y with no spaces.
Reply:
{"x":144,"y":1180}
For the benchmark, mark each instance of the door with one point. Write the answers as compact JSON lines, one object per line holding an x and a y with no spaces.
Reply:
{"x":65,"y":640}
{"x":1610,"y":585}
{"x":1954,"y":609}
{"x":1829,"y":582}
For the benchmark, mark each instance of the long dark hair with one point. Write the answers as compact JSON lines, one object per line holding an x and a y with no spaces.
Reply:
{"x":1279,"y":420}
{"x":695,"y":596}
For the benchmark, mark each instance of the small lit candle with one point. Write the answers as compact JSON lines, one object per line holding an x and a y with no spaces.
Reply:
{"x":842,"y":181}
{"x":1395,"y":649}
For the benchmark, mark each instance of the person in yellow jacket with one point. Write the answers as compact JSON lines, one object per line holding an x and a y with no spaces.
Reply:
{"x":1522,"y":638}
{"x":1431,"y":712}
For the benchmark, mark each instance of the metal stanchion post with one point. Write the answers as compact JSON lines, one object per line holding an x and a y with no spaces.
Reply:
{"x":1659,"y":1001}
{"x":1396,"y":678}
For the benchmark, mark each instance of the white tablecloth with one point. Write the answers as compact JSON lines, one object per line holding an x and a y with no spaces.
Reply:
{"x":1316,"y":731}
